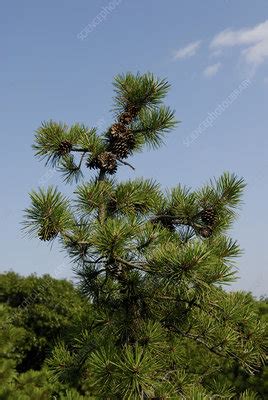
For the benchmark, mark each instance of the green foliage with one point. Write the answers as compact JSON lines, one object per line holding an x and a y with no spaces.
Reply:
{"x":34,"y":314}
{"x":70,"y":170}
{"x":50,"y":135}
{"x":39,"y":310}
{"x":48,"y":215}
{"x":151,"y":262}
{"x":139,"y":90}
{"x":153,"y":125}
{"x":256,"y":383}
{"x":103,"y":364}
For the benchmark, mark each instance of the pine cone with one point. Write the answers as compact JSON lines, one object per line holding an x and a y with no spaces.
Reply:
{"x":125,"y":118}
{"x":205,"y":231}
{"x":64,"y":148}
{"x":130,"y":139}
{"x":120,"y":149}
{"x":111,"y":207}
{"x":208,"y":216}
{"x":122,"y":145}
{"x":166,"y":222}
{"x":117,"y":130}
{"x":92,"y":163}
{"x":133,"y":110}
{"x":128,"y":115}
{"x":47,"y":234}
{"x":105,"y":161}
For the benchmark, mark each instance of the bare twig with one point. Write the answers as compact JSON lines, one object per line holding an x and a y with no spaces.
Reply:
{"x":126,"y":163}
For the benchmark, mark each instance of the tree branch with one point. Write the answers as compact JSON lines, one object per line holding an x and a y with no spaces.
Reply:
{"x":132,"y":266}
{"x":198,"y":340}
{"x":126,"y":163}
{"x":173,"y":218}
{"x":80,"y":150}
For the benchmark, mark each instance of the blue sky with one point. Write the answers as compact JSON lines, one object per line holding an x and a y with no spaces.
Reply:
{"x":58,"y":60}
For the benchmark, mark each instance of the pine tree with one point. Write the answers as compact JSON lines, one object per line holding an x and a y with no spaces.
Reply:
{"x":151,"y":262}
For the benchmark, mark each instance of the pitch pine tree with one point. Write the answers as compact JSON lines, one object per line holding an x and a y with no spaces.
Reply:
{"x":151,"y":262}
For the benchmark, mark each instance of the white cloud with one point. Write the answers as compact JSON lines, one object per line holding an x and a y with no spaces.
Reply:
{"x":254,"y":40}
{"x":187,"y":51}
{"x":258,"y":53}
{"x":216,"y":53}
{"x":211,"y":70}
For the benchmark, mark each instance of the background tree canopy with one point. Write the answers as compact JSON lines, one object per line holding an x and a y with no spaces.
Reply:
{"x":26,"y":345}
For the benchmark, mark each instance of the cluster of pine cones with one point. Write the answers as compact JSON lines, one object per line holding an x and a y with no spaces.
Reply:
{"x":207,"y":217}
{"x":121,"y":142}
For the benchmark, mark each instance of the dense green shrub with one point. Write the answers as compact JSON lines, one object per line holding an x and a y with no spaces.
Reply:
{"x":19,"y":338}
